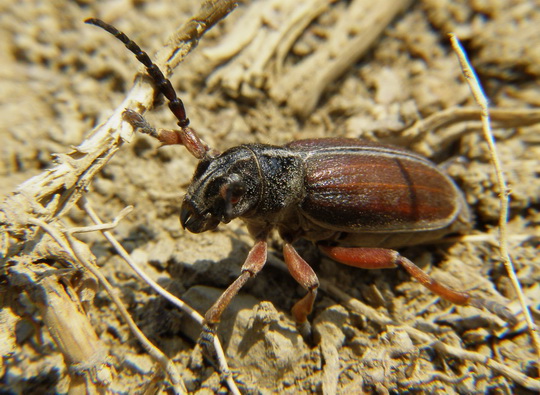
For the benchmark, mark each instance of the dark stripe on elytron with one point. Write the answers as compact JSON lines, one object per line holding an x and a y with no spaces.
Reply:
{"x":413,"y":195}
{"x":322,"y":182}
{"x":338,"y":182}
{"x":369,"y":222}
{"x":368,"y":151}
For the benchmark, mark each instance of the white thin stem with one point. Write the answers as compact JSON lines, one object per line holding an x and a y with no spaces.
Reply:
{"x":222,"y":360}
{"x":482,"y":101}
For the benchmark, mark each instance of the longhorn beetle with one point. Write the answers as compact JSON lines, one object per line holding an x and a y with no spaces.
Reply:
{"x":356,"y":200}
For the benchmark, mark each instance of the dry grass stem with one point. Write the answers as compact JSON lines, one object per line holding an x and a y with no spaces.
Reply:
{"x":125,"y":256}
{"x":193,"y":314}
{"x":431,"y":134}
{"x":482,"y":101}
{"x":43,"y":199}
{"x":80,"y":253}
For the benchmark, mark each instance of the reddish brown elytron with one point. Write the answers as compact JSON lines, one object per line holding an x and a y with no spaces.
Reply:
{"x":356,"y":200}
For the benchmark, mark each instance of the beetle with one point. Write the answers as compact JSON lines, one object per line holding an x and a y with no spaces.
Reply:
{"x":358,"y":201}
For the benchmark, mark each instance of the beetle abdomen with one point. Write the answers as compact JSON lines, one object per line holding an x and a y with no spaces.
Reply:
{"x":358,"y":187}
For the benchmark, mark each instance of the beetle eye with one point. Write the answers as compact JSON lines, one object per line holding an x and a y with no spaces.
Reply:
{"x":235,"y":192}
{"x":232,"y":189}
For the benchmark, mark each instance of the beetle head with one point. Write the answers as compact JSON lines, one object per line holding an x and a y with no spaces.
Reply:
{"x":223,"y":188}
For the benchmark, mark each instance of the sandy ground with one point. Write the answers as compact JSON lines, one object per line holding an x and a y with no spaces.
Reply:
{"x":61,"y":78}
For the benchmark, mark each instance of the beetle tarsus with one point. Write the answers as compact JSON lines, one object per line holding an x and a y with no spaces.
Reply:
{"x":304,"y":328}
{"x":138,"y":122}
{"x":253,"y":264}
{"x":206,"y":342}
{"x":496,"y":308}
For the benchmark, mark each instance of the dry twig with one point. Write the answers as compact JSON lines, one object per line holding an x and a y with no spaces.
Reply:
{"x":80,"y":253}
{"x":222,"y":360}
{"x":480,"y":98}
{"x":258,"y":46}
{"x":432,"y":134}
{"x":39,"y":203}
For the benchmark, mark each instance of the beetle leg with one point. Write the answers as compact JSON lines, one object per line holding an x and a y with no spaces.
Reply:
{"x":185,"y":136}
{"x":382,"y":258}
{"x":253,"y":265}
{"x":306,"y":277}
{"x":138,"y":122}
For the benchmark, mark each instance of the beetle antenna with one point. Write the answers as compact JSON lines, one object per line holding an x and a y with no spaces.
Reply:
{"x":163,"y":84}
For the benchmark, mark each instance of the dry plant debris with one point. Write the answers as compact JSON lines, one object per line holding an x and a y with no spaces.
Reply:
{"x":62,"y":78}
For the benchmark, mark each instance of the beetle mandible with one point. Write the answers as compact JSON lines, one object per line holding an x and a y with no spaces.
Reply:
{"x":356,"y":200}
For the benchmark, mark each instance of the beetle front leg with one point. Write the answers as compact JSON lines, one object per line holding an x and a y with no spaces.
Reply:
{"x":253,"y":265}
{"x":185,"y":136}
{"x":382,"y":258}
{"x":306,"y":277}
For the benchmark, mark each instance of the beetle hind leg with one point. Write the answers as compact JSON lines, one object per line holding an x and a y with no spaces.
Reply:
{"x":383,"y":258}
